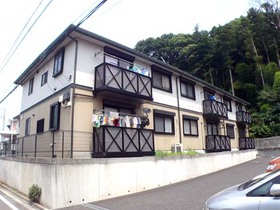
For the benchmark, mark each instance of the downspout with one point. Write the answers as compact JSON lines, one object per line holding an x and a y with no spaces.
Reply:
{"x":73,"y":95}
{"x":178,"y":110}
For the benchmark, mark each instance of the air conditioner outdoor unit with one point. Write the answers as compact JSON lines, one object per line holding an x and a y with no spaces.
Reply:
{"x":177,"y":147}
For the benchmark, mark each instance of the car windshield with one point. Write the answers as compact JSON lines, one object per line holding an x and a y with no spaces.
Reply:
{"x":256,"y":180}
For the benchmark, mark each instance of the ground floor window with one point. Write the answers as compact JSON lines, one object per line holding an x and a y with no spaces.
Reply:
{"x":212,"y":129}
{"x":54,"y":116}
{"x":230,"y":130}
{"x":190,"y":126}
{"x":164,"y":122}
{"x":27,"y":126}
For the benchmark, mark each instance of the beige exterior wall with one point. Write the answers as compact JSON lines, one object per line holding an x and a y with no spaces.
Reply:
{"x":89,"y":56}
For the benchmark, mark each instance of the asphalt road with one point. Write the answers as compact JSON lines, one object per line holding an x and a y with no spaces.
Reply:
{"x":186,"y":195}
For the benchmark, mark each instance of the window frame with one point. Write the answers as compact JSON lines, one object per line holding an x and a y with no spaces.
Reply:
{"x":40,"y":126}
{"x":162,"y":75}
{"x":44,"y":78}
{"x":188,"y":84}
{"x":208,"y":93}
{"x":231,"y":126}
{"x":227,"y":101}
{"x":27,"y":126}
{"x":54,"y":122}
{"x":190,"y":119}
{"x":31,"y":86}
{"x":164,"y":115}
{"x":58,"y":62}
{"x":212,"y":127}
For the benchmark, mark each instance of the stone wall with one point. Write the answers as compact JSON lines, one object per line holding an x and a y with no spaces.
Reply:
{"x":268,"y":147}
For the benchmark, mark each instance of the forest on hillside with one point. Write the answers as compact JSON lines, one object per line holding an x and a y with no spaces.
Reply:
{"x":247,"y":48}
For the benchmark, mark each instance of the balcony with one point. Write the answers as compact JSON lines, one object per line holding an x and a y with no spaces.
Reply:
{"x":217,"y":143}
{"x":214,"y":109}
{"x":111,"y":141}
{"x":114,"y":79}
{"x":243,"y":117}
{"x":246,"y":143}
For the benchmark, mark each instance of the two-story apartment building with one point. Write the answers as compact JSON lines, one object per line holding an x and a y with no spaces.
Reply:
{"x":87,"y":96}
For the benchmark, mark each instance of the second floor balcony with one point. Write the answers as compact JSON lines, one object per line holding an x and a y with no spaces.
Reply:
{"x":113,"y":79}
{"x":215,"y":109}
{"x":243,"y":117}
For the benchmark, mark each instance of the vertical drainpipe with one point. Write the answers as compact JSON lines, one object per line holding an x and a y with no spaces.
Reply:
{"x":73,"y":95}
{"x":178,"y":109}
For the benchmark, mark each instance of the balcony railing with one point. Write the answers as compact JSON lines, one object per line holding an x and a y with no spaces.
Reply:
{"x":246,"y":143}
{"x":111,"y":141}
{"x":217,"y":143}
{"x":243,"y":117}
{"x":109,"y":77}
{"x":215,"y":109}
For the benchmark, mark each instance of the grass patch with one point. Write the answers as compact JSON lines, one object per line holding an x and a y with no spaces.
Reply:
{"x":189,"y":152}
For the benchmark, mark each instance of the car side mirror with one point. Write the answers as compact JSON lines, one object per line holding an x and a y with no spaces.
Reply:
{"x":275,"y":190}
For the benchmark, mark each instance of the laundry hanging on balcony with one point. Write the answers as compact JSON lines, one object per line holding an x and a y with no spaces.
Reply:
{"x":115,"y":119}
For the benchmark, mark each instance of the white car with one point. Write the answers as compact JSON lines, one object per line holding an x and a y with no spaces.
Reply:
{"x":260,"y":193}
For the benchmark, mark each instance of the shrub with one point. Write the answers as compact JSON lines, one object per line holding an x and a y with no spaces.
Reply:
{"x":34,"y":193}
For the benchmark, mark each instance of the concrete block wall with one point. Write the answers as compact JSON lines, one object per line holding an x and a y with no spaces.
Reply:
{"x":67,"y":182}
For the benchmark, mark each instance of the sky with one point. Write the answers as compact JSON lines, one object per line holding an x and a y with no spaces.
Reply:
{"x":123,"y":21}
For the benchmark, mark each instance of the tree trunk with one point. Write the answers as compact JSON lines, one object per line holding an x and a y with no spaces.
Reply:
{"x":277,"y":54}
{"x":258,"y":64}
{"x":265,"y":48}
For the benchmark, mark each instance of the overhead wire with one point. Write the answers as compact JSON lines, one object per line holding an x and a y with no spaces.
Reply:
{"x":11,"y":53}
{"x":79,"y":23}
{"x":91,"y":12}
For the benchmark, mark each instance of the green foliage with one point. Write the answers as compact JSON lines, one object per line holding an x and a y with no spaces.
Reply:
{"x":34,"y":193}
{"x":247,"y":46}
{"x":189,"y":152}
{"x":276,"y":84}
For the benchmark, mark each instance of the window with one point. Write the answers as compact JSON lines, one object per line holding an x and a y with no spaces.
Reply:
{"x":30,"y":87}
{"x":54,"y":116}
{"x":230,"y":130}
{"x":228,"y":104}
{"x":239,"y":107}
{"x":187,"y":90}
{"x":162,"y":81}
{"x":44,"y":78}
{"x":118,"y":58}
{"x":40,"y":126}
{"x":212,"y":129}
{"x":208,"y":94}
{"x":164,"y":122}
{"x":27,"y":126}
{"x":58,"y":63}
{"x":190,"y":126}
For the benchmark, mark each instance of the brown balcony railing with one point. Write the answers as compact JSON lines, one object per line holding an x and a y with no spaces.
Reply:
{"x":215,"y":109}
{"x":217,"y":143}
{"x":243,"y":117}
{"x":246,"y":143}
{"x":111,"y":141}
{"x":109,"y":77}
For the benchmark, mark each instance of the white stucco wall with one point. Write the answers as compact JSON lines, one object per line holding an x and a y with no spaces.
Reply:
{"x":67,"y":182}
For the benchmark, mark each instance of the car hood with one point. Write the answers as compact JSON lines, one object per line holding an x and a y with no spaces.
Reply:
{"x":275,"y":160}
{"x":226,"y":194}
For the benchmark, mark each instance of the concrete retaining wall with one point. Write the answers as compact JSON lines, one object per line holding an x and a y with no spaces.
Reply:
{"x":67,"y":182}
{"x":268,"y":147}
